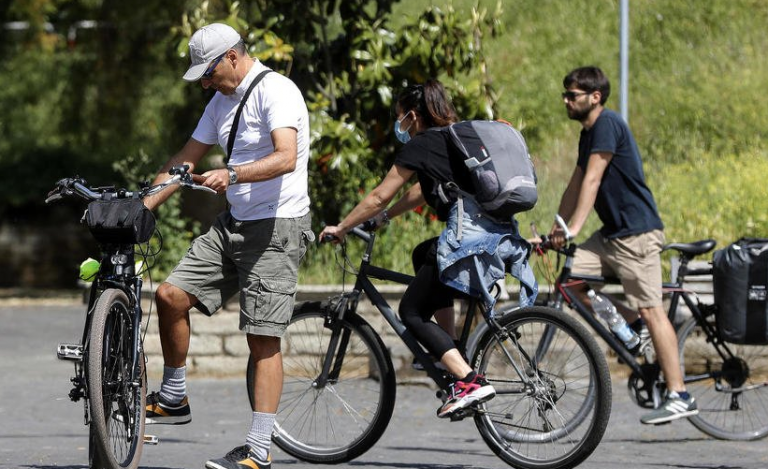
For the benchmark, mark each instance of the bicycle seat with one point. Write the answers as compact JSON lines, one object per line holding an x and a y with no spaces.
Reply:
{"x":692,"y":249}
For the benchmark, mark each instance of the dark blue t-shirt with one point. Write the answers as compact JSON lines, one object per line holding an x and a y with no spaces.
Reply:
{"x":624,"y":202}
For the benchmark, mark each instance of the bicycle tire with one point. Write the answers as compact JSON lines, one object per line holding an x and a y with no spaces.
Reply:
{"x":117,"y":406}
{"x":340,"y":421}
{"x":558,"y":419}
{"x":710,"y":379}
{"x":95,"y":459}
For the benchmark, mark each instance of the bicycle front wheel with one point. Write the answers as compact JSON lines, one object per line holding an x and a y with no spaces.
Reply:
{"x":337,"y":420}
{"x":553,"y":389}
{"x":730,"y":385}
{"x":117,"y":403}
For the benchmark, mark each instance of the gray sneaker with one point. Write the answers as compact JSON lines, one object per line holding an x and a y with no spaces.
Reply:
{"x":675,"y":407}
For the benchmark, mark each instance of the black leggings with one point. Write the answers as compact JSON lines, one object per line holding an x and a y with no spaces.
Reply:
{"x":425,"y":295}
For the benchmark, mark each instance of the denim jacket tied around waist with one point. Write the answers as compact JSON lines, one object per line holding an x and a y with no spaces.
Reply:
{"x":475,"y":254}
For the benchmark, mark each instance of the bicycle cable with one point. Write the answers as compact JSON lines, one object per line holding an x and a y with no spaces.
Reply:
{"x":346,"y":266}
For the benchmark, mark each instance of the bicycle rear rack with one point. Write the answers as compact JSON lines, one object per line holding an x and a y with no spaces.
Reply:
{"x":73,"y":352}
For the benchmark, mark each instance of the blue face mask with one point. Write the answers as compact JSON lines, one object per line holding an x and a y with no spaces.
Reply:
{"x":402,"y":135}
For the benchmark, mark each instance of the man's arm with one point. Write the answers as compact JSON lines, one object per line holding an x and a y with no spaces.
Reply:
{"x":571,"y":195}
{"x":191,"y":154}
{"x":281,"y":161}
{"x":588,"y":190}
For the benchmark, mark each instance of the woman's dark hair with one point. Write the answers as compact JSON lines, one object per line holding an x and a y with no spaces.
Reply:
{"x":430,"y":102}
{"x":589,"y":79}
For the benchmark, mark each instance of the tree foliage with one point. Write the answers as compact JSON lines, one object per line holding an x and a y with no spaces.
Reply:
{"x":108,"y":90}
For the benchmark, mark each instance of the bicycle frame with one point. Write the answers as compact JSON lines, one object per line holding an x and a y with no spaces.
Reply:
{"x":118,"y":275}
{"x":568,"y":284}
{"x":364,"y":284}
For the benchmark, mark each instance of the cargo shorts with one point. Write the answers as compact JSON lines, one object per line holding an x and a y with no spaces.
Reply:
{"x":258,"y":259}
{"x":635,"y":260}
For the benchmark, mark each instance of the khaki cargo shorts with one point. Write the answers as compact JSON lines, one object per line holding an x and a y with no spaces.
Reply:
{"x":635,"y":260}
{"x":258,"y":259}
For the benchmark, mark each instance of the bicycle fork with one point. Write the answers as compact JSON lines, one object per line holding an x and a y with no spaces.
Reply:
{"x":337,"y":347}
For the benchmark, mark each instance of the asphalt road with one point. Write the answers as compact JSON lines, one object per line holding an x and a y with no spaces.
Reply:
{"x":41,"y":428}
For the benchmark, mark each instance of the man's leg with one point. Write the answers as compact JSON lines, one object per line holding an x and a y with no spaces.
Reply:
{"x":267,"y":388}
{"x":173,"y":305}
{"x":170,"y":405}
{"x":268,"y":372}
{"x":678,"y":404}
{"x":665,"y":343}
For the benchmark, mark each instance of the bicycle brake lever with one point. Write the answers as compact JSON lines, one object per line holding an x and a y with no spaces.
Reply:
{"x":200,"y":188}
{"x":559,"y":220}
{"x":53,"y":196}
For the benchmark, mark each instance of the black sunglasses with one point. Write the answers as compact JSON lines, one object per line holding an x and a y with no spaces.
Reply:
{"x":209,"y":72}
{"x":573,"y":95}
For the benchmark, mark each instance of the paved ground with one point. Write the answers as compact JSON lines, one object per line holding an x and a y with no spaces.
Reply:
{"x":40,"y":428}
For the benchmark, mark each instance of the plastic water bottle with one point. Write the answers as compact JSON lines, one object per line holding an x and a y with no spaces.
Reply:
{"x":616,"y":323}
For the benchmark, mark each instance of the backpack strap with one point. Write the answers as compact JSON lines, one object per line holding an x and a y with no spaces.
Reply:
{"x":236,"y":121}
{"x":446,"y":189}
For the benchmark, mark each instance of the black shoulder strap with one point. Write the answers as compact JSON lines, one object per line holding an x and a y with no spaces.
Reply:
{"x":236,"y":121}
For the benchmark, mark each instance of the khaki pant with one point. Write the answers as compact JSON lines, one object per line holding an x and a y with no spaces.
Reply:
{"x":635,"y":260}
{"x":259,"y":259}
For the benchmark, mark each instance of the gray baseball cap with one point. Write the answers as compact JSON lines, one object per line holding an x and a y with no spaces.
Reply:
{"x":208,"y":43}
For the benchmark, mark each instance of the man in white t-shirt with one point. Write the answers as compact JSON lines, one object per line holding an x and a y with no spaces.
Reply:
{"x":254,"y":247}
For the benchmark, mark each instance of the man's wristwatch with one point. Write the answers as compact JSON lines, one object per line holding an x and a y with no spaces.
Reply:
{"x":232,"y":175}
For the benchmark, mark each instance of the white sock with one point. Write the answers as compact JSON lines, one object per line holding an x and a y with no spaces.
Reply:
{"x":174,"y":386}
{"x":259,"y":438}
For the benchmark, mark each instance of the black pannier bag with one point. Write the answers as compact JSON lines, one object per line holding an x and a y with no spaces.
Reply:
{"x":740,"y":281}
{"x":120,"y":221}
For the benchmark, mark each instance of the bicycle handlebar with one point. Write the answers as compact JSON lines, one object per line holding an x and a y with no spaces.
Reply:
{"x":362,"y":231}
{"x":78,"y":186}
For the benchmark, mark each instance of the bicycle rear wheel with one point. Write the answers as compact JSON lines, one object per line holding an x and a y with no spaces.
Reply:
{"x":341,"y":419}
{"x":117,"y":405}
{"x":731,"y":390}
{"x":553,"y":390}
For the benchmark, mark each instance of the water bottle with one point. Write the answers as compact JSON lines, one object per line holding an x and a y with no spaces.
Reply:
{"x":616,"y":323}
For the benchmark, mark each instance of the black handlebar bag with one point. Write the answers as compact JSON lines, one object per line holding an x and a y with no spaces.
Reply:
{"x":120,"y":221}
{"x":740,"y":281}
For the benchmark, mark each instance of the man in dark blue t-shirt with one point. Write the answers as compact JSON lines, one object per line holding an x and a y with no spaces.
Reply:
{"x":609,"y":177}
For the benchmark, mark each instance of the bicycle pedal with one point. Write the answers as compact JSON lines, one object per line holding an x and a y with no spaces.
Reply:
{"x":463,"y":413}
{"x":73,"y":352}
{"x":151,"y":440}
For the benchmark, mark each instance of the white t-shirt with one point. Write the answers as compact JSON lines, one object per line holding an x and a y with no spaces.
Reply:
{"x":274,"y":103}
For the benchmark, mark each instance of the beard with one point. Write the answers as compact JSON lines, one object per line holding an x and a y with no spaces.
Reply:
{"x":579,"y":113}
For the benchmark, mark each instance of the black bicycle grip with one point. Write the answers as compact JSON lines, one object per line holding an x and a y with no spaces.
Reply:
{"x":368,"y":225}
{"x":179,"y":169}
{"x":329,"y":239}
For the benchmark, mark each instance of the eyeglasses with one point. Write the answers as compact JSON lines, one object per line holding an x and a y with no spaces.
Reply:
{"x":573,"y":95}
{"x":208,"y":74}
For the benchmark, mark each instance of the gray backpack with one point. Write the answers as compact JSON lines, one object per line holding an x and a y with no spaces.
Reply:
{"x":500,"y":167}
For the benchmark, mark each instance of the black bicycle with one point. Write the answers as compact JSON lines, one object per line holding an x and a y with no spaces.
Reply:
{"x":552,"y":382}
{"x":728,"y":381}
{"x":109,"y":360}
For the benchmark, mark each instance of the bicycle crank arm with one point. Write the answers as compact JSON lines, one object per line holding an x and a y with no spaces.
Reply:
{"x":721,"y":388}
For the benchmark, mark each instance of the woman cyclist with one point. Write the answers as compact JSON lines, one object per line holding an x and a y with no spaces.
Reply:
{"x":421,"y":110}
